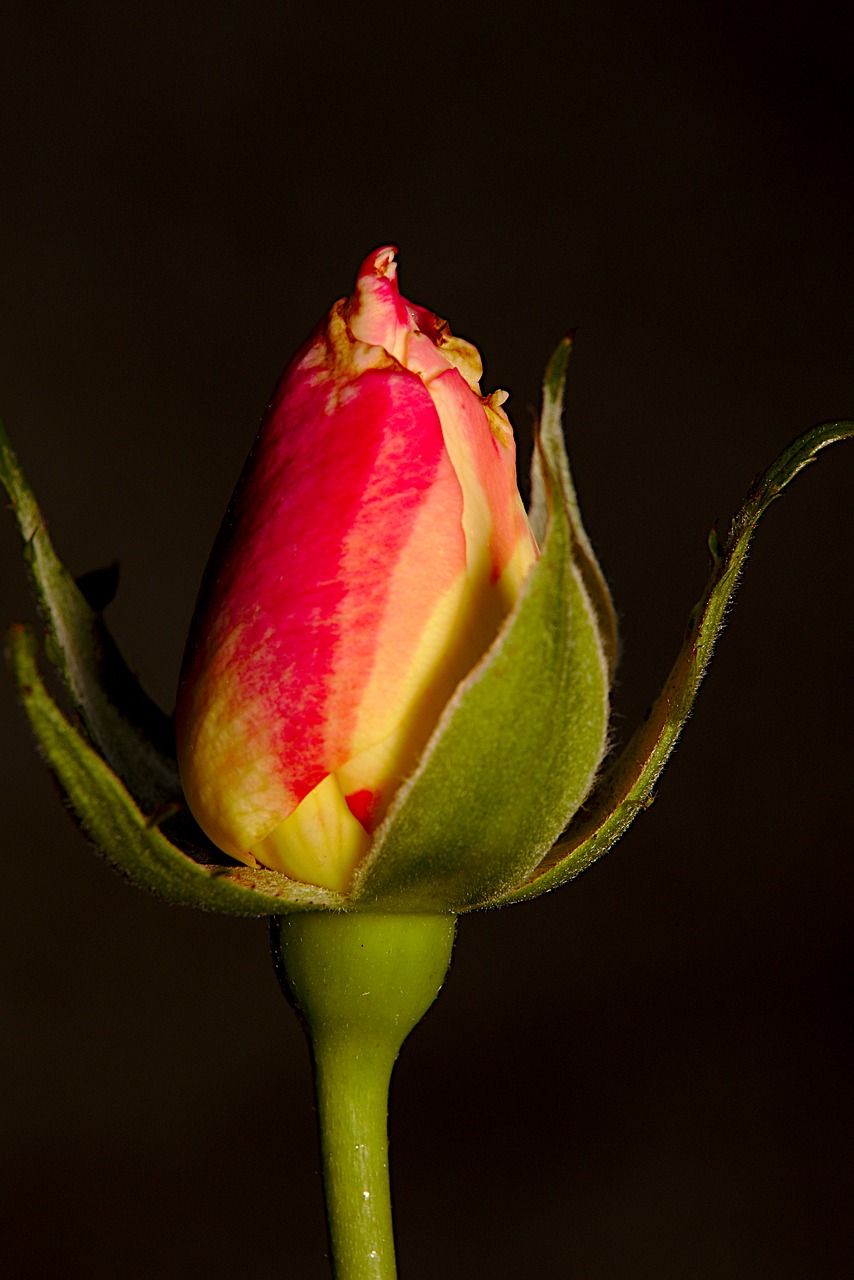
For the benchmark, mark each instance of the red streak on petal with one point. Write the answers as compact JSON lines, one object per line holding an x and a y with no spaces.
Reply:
{"x":360,"y":804}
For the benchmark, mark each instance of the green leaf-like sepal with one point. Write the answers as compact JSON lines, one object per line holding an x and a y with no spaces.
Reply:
{"x":516,"y":750}
{"x":133,"y":843}
{"x":551,"y":433}
{"x":129,"y":730}
{"x":626,"y":787}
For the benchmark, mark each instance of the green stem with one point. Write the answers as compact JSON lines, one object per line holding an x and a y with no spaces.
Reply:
{"x":360,"y":982}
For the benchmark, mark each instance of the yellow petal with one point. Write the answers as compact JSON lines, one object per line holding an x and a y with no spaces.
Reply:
{"x":321,"y":842}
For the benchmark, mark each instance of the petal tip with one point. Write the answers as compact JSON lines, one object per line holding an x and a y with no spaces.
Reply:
{"x":382,"y":262}
{"x":376,"y":312}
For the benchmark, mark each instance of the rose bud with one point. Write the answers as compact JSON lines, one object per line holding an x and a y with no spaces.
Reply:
{"x":374,"y":546}
{"x":389,"y":696}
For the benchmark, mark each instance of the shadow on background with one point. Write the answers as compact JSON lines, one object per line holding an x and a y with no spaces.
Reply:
{"x":646,"y":1074}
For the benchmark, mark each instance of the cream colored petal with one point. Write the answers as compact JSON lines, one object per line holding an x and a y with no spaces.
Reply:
{"x":320,"y":843}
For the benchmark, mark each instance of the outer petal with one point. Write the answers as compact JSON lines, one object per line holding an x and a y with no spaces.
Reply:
{"x":349,"y":467}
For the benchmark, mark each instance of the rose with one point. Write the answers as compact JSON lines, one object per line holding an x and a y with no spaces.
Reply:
{"x":486,"y":800}
{"x":378,"y":643}
{"x":373,"y":548}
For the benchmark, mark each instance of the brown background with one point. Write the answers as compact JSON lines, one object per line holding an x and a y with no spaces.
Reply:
{"x":644,"y":1075}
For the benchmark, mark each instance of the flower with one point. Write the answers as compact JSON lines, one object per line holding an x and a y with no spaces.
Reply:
{"x":374,"y":546}
{"x":505,"y":801}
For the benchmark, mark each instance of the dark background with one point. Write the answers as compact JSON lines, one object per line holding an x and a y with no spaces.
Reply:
{"x":646,"y":1074}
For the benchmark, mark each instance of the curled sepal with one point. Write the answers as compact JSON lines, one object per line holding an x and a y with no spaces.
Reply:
{"x":130,"y":731}
{"x":133,"y":843}
{"x":626,"y":787}
{"x":517,"y":747}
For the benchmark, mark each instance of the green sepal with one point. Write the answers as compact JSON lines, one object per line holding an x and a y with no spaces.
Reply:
{"x":129,"y":730}
{"x":551,"y":429}
{"x":626,"y":787}
{"x":517,"y":748}
{"x":133,"y":843}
